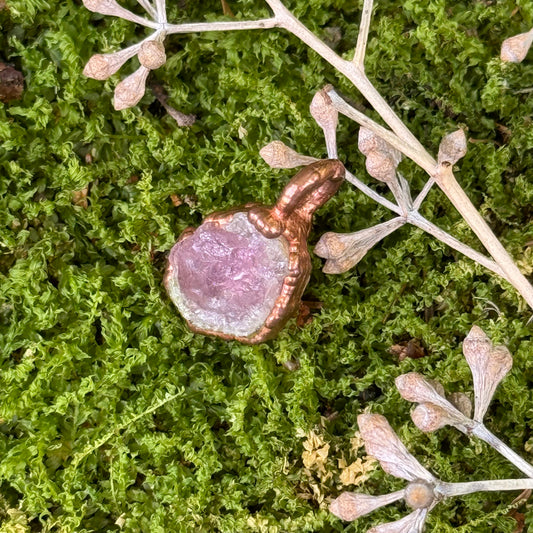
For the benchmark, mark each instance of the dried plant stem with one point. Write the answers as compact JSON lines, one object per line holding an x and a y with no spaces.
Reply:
{"x":400,"y":137}
{"x":487,"y":436}
{"x":449,"y":490}
{"x":194,"y":27}
{"x":416,"y":219}
{"x":148,"y":7}
{"x":423,"y":193}
{"x":371,"y":193}
{"x":161,"y":11}
{"x":362,"y":38}
{"x":447,"y":182}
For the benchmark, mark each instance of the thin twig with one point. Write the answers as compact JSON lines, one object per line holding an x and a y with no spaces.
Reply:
{"x":161,"y":11}
{"x":149,"y":8}
{"x":416,"y":219}
{"x":372,"y":193}
{"x":423,"y":193}
{"x":449,"y":490}
{"x":195,"y":27}
{"x":481,"y":431}
{"x":423,"y":159}
{"x":362,"y":37}
{"x":447,"y":182}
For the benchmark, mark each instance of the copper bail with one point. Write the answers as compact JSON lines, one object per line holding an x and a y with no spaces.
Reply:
{"x":308,"y":190}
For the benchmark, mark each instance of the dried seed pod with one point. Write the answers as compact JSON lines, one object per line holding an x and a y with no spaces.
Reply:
{"x":489,"y":365}
{"x":369,"y":142}
{"x":345,"y":250}
{"x":452,"y":148}
{"x":276,"y":154}
{"x":382,"y":443}
{"x":515,"y":49}
{"x":428,"y":417}
{"x":382,"y":159}
{"x":327,"y":117}
{"x":152,"y":54}
{"x":350,"y":506}
{"x":131,"y":89}
{"x":101,"y":66}
{"x":381,"y":166}
{"x":413,"y":387}
{"x":323,"y":111}
{"x":462,"y":402}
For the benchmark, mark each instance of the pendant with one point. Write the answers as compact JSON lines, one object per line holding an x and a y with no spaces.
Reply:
{"x":240,"y":275}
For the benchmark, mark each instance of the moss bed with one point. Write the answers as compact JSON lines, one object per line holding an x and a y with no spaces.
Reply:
{"x":113,"y":416}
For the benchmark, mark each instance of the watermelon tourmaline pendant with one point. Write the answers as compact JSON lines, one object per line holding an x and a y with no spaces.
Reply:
{"x":240,"y":275}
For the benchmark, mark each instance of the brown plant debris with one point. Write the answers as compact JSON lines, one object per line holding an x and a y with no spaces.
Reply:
{"x":11,"y":83}
{"x":411,"y":349}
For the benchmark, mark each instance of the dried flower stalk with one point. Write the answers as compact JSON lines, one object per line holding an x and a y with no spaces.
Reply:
{"x":398,"y":135}
{"x":489,"y":365}
{"x":423,"y":492}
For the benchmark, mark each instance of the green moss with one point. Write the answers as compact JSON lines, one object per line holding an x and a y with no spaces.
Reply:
{"x":113,"y":415}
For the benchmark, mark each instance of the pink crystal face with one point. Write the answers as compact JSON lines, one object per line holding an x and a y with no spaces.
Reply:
{"x":226,"y":278}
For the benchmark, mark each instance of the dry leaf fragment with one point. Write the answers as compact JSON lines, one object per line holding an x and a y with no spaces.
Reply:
{"x":181,"y":119}
{"x":345,"y":250}
{"x":80,"y":197}
{"x":452,"y":148}
{"x":411,"y":349}
{"x":514,"y":49}
{"x":131,"y":89}
{"x":357,"y":472}
{"x":226,"y":9}
{"x":315,"y":452}
{"x":277,"y":154}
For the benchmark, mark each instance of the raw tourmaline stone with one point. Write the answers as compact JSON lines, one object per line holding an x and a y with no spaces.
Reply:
{"x":227,"y":278}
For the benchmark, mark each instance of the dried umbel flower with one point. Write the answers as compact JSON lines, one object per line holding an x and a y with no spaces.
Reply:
{"x":277,"y":154}
{"x":489,"y":365}
{"x":151,"y":52}
{"x":515,"y":49}
{"x":452,"y":148}
{"x":422,"y":493}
